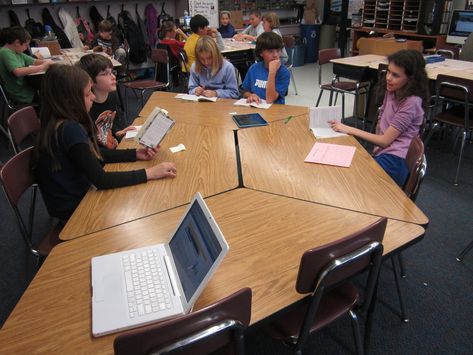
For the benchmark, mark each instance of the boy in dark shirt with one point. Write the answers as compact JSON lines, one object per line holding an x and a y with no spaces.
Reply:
{"x":226,"y":29}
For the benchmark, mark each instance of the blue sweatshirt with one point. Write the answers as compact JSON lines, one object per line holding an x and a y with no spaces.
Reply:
{"x":224,"y":82}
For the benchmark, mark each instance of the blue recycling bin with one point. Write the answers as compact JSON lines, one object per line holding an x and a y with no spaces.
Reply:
{"x":310,"y":35}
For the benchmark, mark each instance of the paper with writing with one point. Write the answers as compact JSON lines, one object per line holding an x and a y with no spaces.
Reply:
{"x":319,"y":117}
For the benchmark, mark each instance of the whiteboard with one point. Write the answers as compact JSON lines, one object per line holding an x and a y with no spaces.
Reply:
{"x":206,"y":8}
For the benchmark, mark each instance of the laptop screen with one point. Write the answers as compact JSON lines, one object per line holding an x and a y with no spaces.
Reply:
{"x":195,"y":248}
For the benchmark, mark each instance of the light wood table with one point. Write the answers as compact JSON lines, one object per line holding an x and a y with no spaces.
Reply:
{"x":267,"y":235}
{"x":237,"y":46}
{"x":208,"y":165}
{"x":216,"y":114}
{"x":448,"y":66}
{"x":272,"y":160}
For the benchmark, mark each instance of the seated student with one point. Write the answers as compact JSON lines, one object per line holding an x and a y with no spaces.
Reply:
{"x":167,"y":34}
{"x":267,"y":79}
{"x":253,"y":30}
{"x":105,"y":103}
{"x":105,"y":41}
{"x":400,"y":116}
{"x":226,"y":28}
{"x":212,"y":75}
{"x":15,"y":65}
{"x":67,"y":160}
{"x":200,"y":27}
{"x":271,"y":24}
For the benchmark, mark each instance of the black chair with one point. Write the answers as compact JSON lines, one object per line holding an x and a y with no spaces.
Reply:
{"x":325,"y":273}
{"x":22,"y":124}
{"x":464,"y":252}
{"x":217,"y":329}
{"x":452,"y":108}
{"x":17,"y":178}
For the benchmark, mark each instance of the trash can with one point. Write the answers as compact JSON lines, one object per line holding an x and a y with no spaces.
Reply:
{"x":299,"y":52}
{"x":310,"y":38}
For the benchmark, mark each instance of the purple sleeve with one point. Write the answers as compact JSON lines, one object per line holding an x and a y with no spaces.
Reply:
{"x":409,"y":109}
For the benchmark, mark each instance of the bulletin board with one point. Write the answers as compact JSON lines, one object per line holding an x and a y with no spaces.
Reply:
{"x":206,"y":8}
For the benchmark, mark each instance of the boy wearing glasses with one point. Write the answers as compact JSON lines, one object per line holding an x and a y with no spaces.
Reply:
{"x":105,"y":106}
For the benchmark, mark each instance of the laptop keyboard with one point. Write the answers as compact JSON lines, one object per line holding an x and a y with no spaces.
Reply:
{"x":145,"y":284}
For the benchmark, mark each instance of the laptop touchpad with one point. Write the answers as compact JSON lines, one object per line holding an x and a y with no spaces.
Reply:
{"x":111,"y":286}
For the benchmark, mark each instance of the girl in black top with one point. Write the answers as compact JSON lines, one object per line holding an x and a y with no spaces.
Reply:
{"x":67,"y":158}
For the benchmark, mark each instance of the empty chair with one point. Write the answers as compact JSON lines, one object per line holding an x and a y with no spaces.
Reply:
{"x":324,"y":274}
{"x":22,"y":124}
{"x":160,"y":81}
{"x":453,"y":104}
{"x":218,"y":328}
{"x":357,"y":85}
{"x":448,"y":51}
{"x":17,"y":178}
{"x":289,"y":43}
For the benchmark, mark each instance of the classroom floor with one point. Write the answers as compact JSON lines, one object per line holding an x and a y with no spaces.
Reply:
{"x":438,"y":289}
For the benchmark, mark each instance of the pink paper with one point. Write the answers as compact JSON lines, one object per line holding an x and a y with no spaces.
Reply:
{"x":331,"y":154}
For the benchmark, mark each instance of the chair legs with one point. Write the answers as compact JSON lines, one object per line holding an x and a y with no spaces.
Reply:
{"x":455,"y":182}
{"x":400,"y":293}
{"x":464,"y":252}
{"x":293,"y":80}
{"x":356,"y":332}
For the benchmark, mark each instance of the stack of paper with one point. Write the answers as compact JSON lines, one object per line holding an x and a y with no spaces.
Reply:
{"x":331,"y":154}
{"x":190,"y":97}
{"x":263,"y":104}
{"x":319,"y":118}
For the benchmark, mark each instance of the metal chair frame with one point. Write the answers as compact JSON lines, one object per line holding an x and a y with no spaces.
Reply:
{"x":289,"y":44}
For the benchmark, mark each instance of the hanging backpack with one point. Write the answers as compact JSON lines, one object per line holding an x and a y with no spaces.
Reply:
{"x":142,"y":27}
{"x":61,"y":36}
{"x":116,"y":30}
{"x":14,"y":21}
{"x":95,"y":17}
{"x":151,"y":16}
{"x":36,"y":29}
{"x":163,"y":16}
{"x":134,"y":37}
{"x":85,"y":32}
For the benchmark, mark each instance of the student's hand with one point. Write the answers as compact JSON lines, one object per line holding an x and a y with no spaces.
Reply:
{"x":199,"y":90}
{"x":97,"y":49}
{"x":162,"y":170}
{"x":212,"y":31}
{"x":45,"y":65}
{"x":274,"y":66}
{"x":181,"y":33}
{"x":253,"y":98}
{"x":85,"y":48}
{"x":38,"y":55}
{"x":146,"y":153}
{"x":121,"y":133}
{"x":340,"y":127}
{"x":238,"y":37}
{"x":209,"y":93}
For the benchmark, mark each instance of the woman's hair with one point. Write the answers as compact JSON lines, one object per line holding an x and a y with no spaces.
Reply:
{"x":267,"y":40}
{"x":9,"y":35}
{"x":94,"y":64}
{"x":272,"y":19}
{"x":62,"y":98}
{"x":166,"y":27}
{"x":225,"y":12}
{"x":206,"y":44}
{"x":198,"y":21}
{"x":417,"y":84}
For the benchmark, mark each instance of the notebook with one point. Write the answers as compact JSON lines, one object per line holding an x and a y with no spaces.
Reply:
{"x":249,"y":120}
{"x":176,"y":273}
{"x":263,"y":104}
{"x":189,"y":97}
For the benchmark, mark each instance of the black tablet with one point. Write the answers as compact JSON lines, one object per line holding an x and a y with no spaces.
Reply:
{"x":249,"y":120}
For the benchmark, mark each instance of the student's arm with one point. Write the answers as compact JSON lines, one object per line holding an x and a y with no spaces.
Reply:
{"x":381,"y":140}
{"x":194,"y":82}
{"x":31,"y":70}
{"x":246,"y":86}
{"x":271,"y":92}
{"x":231,"y":86}
{"x":219,"y":39}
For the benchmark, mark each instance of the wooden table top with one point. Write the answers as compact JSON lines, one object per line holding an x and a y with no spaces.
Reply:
{"x":267,"y":235}
{"x":237,"y":46}
{"x":453,"y":67}
{"x":278,"y":167}
{"x":218,"y":114}
{"x":207,"y":165}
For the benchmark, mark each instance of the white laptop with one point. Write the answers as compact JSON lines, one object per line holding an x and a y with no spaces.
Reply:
{"x":126,"y":295}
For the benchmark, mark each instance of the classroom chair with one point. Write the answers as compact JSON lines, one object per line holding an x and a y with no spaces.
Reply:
{"x":448,"y":51}
{"x":289,"y":43}
{"x":358,"y":82}
{"x":452,"y":107}
{"x":184,"y":73}
{"x":17,"y":178}
{"x":325,"y":274}
{"x":161,"y":78}
{"x":22,"y":124}
{"x":464,"y":252}
{"x":217,"y":329}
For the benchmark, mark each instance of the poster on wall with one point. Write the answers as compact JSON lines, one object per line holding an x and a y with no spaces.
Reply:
{"x":206,"y":8}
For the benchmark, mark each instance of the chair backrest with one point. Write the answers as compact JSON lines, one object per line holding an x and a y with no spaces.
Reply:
{"x":289,"y":42}
{"x":454,"y":88}
{"x":340,"y":260}
{"x":173,"y":61}
{"x":218,"y":326}
{"x":5,"y":100}
{"x":184,"y":60}
{"x":161,"y":58}
{"x":326,"y":55}
{"x":417,"y":166}
{"x":448,"y":51}
{"x":359,"y":74}
{"x":22,"y":124}
{"x":467,"y":49}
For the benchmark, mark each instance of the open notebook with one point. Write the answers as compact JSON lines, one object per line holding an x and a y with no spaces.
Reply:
{"x":154,"y":283}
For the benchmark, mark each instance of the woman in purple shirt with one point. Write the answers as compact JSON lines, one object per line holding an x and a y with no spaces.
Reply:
{"x":401,"y":114}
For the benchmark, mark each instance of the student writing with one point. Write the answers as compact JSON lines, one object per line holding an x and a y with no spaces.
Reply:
{"x":401,"y":115}
{"x":212,"y":75}
{"x":267,"y":79}
{"x":67,"y":160}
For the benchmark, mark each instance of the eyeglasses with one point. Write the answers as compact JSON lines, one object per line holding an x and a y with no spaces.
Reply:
{"x":108,"y":72}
